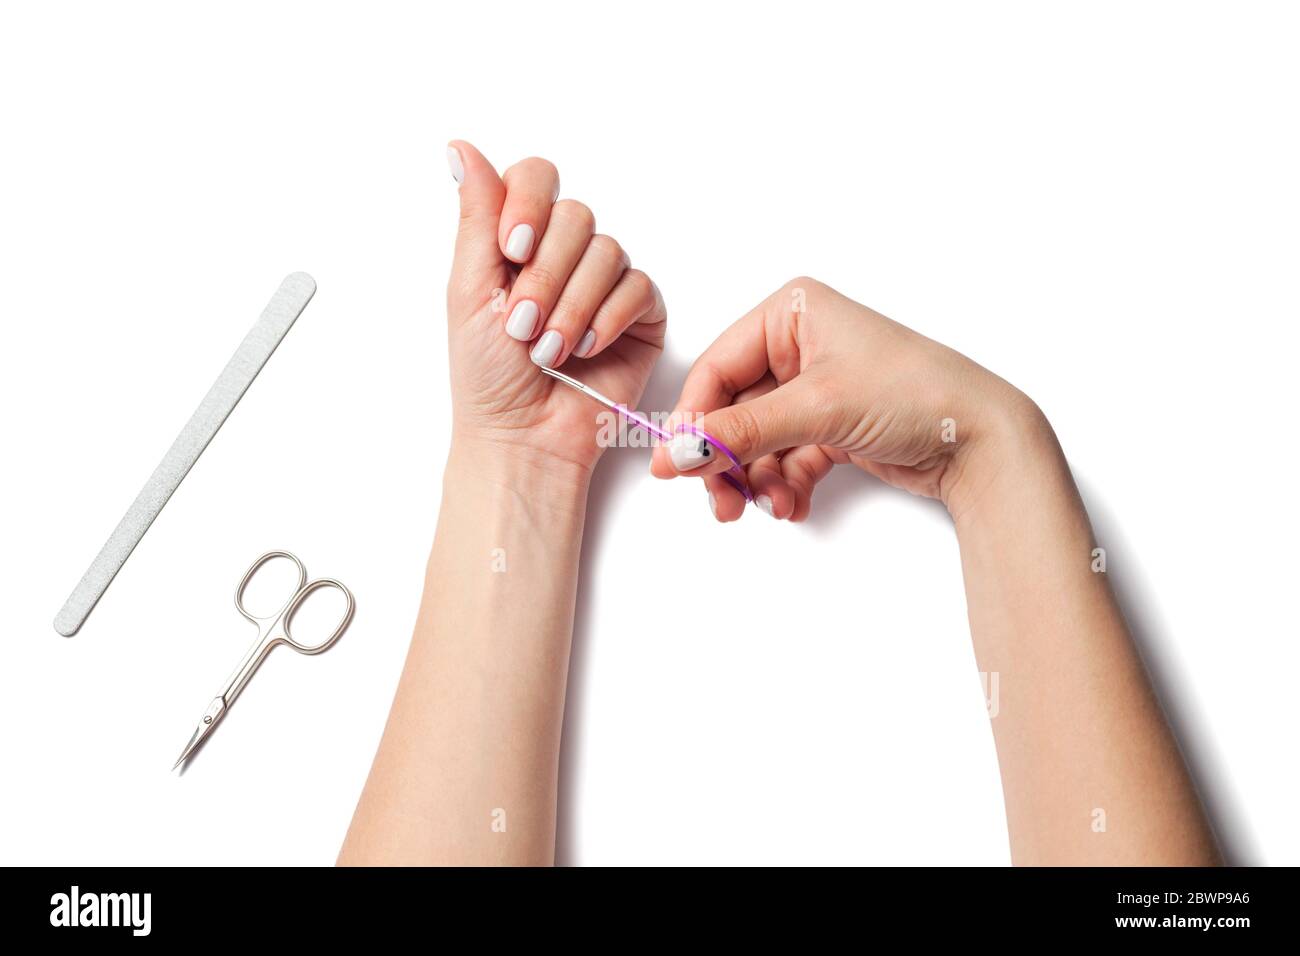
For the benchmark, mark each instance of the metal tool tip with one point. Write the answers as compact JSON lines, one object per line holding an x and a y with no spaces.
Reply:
{"x":189,"y":749}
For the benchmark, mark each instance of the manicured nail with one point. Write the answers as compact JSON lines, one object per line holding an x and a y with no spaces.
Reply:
{"x":689,"y":451}
{"x":584,"y":344}
{"x":523,"y":321}
{"x":457,"y":167}
{"x":765,"y":503}
{"x":547,"y":349}
{"x":713,"y":504}
{"x":519,"y":244}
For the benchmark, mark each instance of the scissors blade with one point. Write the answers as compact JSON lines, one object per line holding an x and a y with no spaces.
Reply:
{"x":211,"y":717}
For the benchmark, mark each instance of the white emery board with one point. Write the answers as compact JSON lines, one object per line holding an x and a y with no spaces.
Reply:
{"x":277,"y":318}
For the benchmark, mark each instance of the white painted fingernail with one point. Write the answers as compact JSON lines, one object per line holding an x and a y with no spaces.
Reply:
{"x":765,"y":503}
{"x":523,"y":321}
{"x":713,"y":504}
{"x":547,"y":349}
{"x":584,"y":344}
{"x":457,"y":167}
{"x":689,"y":451}
{"x":519,"y":244}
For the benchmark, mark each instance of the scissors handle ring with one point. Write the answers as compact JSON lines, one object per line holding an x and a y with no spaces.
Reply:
{"x":296,"y":601}
{"x":248,"y":576}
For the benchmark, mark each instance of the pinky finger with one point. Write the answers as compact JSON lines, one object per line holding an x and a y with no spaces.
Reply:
{"x":633,"y":297}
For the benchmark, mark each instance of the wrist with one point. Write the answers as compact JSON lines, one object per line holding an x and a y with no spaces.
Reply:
{"x":533,"y":477}
{"x":1013,"y":450}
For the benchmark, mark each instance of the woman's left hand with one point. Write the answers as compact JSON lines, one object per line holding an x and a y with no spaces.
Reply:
{"x":533,"y":284}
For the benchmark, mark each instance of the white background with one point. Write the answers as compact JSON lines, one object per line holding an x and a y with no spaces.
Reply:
{"x":1097,"y":201}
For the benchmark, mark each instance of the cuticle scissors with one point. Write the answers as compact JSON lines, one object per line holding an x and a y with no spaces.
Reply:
{"x":272,"y":630}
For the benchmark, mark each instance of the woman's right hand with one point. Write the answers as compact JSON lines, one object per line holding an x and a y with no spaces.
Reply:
{"x":810,"y":379}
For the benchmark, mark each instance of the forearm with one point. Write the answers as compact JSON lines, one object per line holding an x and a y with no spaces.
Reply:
{"x":1091,"y":772}
{"x":466,"y":771}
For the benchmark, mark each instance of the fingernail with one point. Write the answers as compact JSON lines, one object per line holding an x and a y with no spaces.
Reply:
{"x":584,"y":344}
{"x":523,"y":321}
{"x":519,"y":244}
{"x":547,"y":349}
{"x":689,"y":451}
{"x":713,"y":504}
{"x":457,"y":167}
{"x":765,"y":503}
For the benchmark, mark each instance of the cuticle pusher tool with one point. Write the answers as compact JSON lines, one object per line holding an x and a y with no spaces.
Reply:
{"x":734,"y":476}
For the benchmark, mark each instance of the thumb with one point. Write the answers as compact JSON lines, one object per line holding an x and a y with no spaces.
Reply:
{"x":482,"y":194}
{"x":791,"y":415}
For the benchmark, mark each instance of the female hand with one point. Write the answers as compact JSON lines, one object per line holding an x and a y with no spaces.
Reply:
{"x":810,"y":379}
{"x":529,"y":269}
{"x":475,"y":725}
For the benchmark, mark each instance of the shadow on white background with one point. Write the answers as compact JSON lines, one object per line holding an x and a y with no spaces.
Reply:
{"x":1160,"y":654}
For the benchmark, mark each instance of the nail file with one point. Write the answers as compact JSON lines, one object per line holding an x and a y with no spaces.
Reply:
{"x":277,"y":318}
